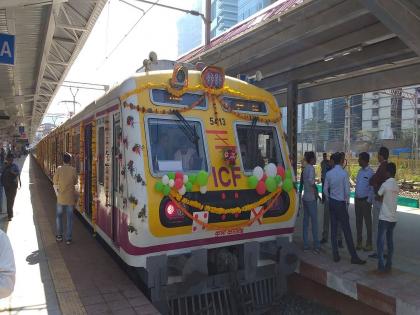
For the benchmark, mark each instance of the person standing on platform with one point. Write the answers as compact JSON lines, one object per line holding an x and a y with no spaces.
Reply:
{"x":7,"y":266}
{"x":2,"y":156}
{"x":376,"y":181}
{"x":65,"y":178}
{"x":325,"y":166}
{"x":387,"y":218}
{"x":309,"y":199}
{"x":326,"y":223}
{"x":337,"y":188}
{"x":10,"y":177}
{"x":363,"y":202}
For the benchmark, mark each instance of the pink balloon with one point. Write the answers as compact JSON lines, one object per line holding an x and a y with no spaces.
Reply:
{"x":179,"y":175}
{"x":264,"y":177}
{"x":261,"y":187}
{"x":280,"y":171}
{"x":178,"y":183}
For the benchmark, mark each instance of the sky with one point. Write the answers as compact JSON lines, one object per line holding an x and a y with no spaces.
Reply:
{"x":100,"y":62}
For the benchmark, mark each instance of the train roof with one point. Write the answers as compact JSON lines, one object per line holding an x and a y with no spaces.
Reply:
{"x":160,"y":76}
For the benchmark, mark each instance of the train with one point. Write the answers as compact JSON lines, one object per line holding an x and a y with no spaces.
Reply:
{"x":183,"y":171}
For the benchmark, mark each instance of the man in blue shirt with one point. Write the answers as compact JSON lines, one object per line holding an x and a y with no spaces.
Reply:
{"x":337,"y":191}
{"x":363,"y":202}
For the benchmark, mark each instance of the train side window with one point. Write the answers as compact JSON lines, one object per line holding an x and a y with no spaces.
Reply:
{"x":172,"y":146}
{"x":259,"y":145}
{"x":101,"y":155}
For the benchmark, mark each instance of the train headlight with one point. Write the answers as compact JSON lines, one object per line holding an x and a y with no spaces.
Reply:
{"x":179,"y":77}
{"x":172,"y":212}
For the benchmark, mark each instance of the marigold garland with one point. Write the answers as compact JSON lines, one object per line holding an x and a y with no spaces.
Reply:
{"x":217,"y":227}
{"x":219,"y":210}
{"x":226,"y":90}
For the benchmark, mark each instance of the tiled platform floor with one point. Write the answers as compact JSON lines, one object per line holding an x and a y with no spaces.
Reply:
{"x":55,"y":278}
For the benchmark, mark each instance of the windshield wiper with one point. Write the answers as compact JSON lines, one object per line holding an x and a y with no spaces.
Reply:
{"x":187,"y":129}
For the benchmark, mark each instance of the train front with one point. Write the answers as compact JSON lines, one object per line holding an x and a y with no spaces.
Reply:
{"x":217,"y":177}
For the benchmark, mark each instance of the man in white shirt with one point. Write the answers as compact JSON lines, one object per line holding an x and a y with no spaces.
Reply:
{"x":387,"y":218}
{"x":7,"y":266}
{"x":337,"y":189}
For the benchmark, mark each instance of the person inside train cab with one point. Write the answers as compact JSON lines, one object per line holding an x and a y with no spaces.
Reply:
{"x":186,"y":155}
{"x":162,"y":148}
{"x":65,"y":179}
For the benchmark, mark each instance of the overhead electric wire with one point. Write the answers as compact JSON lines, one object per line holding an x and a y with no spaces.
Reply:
{"x":128,"y":33}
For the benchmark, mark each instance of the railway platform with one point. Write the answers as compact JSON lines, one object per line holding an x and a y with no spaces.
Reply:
{"x":393,"y":293}
{"x":55,"y":278}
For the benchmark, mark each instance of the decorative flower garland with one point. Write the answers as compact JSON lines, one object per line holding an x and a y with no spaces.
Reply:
{"x":217,"y":227}
{"x":142,"y":109}
{"x":94,"y":177}
{"x":107,"y":160}
{"x":213,"y":92}
{"x":219,"y":210}
{"x":177,"y":184}
{"x":82,"y":167}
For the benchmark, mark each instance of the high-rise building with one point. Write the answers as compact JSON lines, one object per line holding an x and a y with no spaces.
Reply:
{"x":190,"y":30}
{"x":224,"y":15}
{"x":246,"y":8}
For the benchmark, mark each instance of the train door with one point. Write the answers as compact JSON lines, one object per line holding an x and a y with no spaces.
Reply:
{"x":116,"y":132}
{"x":88,"y":170}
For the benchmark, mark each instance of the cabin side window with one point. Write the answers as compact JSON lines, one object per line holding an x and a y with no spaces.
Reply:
{"x":176,"y":146}
{"x":259,"y":145}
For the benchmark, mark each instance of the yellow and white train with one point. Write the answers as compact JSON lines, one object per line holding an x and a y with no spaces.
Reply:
{"x":180,"y":162}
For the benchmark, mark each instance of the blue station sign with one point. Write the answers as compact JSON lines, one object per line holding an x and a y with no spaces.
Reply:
{"x":7,"y":49}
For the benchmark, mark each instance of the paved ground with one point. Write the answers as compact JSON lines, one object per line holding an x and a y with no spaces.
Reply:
{"x":406,"y":236}
{"x":394,"y":293}
{"x":56,"y":278}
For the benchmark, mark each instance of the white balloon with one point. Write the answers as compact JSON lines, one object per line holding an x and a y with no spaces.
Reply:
{"x":271,"y":170}
{"x":258,"y":172}
{"x":171,"y":183}
{"x":165,"y":180}
{"x":182,"y":191}
{"x":203,"y":189}
{"x":185,"y":179}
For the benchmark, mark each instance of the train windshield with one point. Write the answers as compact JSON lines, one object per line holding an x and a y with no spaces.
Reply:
{"x":259,"y":146}
{"x":172,"y":149}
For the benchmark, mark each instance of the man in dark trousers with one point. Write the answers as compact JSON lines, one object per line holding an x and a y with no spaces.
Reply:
{"x":376,"y":181}
{"x":337,"y":191}
{"x":363,"y":202}
{"x":10,"y":178}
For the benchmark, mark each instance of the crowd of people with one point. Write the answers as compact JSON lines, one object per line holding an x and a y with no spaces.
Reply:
{"x":375,"y":202}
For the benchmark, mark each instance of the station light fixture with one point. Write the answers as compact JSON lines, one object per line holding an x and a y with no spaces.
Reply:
{"x":343,"y":53}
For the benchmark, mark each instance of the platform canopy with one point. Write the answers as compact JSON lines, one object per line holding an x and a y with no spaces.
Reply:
{"x":329,"y":48}
{"x":48,"y":35}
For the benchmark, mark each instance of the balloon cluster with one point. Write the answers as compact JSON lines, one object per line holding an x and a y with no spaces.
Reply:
{"x":270,"y":179}
{"x":182,"y":182}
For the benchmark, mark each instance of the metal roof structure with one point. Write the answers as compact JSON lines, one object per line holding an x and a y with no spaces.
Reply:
{"x":49,"y":35}
{"x":329,"y":48}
